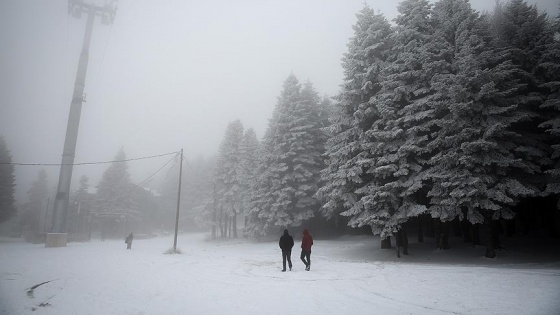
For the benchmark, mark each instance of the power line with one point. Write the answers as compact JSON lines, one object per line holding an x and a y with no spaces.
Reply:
{"x":87,"y":163}
{"x":154,"y":174}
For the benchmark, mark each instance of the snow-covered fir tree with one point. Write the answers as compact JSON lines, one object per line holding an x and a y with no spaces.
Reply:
{"x":196,"y":189}
{"x":228,"y":176}
{"x":527,"y":34}
{"x":78,"y":208}
{"x":548,"y":70}
{"x":289,"y":163}
{"x":249,"y":150}
{"x":348,"y":160}
{"x":114,"y":205}
{"x":478,"y":166}
{"x":394,"y":152}
{"x":34,"y":209}
{"x":7,"y":183}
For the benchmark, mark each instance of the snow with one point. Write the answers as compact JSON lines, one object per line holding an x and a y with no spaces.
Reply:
{"x":349,"y":275}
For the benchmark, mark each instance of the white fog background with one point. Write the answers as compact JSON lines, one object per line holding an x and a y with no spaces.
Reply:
{"x":166,"y":75}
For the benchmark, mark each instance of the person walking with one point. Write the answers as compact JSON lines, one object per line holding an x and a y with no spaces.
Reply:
{"x":306,"y":243}
{"x":286,"y":243}
{"x":128,"y":241}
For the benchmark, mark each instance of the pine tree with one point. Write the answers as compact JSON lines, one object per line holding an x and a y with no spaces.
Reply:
{"x":346,"y":175}
{"x":79,"y":207}
{"x":7,"y":183}
{"x":114,"y":204}
{"x":548,"y":69}
{"x":249,"y":150}
{"x":228,"y":175}
{"x":33,"y":220}
{"x":526,"y":34}
{"x":290,"y":161}
{"x":476,"y":167}
{"x":198,"y":182}
{"x":394,"y":145}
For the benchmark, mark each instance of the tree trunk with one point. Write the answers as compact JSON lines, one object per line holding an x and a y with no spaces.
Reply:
{"x":475,"y":228}
{"x":437,"y":233}
{"x":214,"y":213}
{"x":490,"y":249}
{"x":430,"y":226}
{"x":510,"y":227}
{"x":420,"y":235}
{"x":386,"y":243}
{"x":551,"y":221}
{"x":445,"y":235}
{"x":402,"y":241}
{"x":457,"y":232}
{"x":442,"y":234}
{"x":496,"y":231}
{"x":466,"y":227}
{"x":234,"y":223}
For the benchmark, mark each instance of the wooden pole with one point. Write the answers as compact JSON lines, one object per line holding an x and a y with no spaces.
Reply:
{"x":178,"y":203}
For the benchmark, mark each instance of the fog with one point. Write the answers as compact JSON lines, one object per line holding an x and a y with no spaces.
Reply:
{"x":164,"y":76}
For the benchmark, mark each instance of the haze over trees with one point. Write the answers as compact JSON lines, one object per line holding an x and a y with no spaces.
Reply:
{"x":7,"y":183}
{"x":33,"y":210}
{"x":446,"y":118}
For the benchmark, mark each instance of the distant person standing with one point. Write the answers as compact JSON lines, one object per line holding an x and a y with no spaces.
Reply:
{"x":306,"y":243}
{"x":128,"y":241}
{"x":286,"y":243}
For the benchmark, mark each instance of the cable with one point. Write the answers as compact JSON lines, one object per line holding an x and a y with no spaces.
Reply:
{"x":164,"y":165}
{"x":86,"y":163}
{"x":184,"y":159}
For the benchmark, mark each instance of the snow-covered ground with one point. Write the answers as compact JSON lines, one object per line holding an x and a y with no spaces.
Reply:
{"x":350,"y":275}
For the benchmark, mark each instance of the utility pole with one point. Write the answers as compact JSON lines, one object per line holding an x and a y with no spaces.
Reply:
{"x":178,"y":203}
{"x":107,"y":14}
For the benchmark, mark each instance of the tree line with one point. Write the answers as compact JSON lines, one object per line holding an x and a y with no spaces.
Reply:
{"x":447,"y":114}
{"x":446,"y":117}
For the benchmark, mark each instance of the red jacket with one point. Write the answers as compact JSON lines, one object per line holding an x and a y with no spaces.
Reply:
{"x":306,"y":241}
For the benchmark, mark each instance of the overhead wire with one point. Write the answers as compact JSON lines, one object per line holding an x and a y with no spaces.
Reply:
{"x":86,"y":163}
{"x":154,"y":174}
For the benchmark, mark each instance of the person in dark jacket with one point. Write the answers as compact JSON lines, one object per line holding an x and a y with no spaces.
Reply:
{"x":128,"y":241}
{"x":306,"y":243}
{"x":286,"y":243}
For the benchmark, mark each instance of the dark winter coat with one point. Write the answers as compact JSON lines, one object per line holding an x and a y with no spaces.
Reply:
{"x":306,"y":241}
{"x":129,"y":238}
{"x":286,"y":241}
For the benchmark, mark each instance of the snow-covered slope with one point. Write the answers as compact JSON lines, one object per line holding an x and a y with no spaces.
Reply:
{"x":350,"y":275}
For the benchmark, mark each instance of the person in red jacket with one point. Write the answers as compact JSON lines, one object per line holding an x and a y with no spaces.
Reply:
{"x":306,"y":243}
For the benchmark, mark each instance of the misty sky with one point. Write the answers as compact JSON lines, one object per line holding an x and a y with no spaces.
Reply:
{"x":166,"y":75}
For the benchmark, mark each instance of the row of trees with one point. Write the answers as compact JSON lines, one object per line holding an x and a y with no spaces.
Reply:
{"x":117,"y":207}
{"x":447,"y":112}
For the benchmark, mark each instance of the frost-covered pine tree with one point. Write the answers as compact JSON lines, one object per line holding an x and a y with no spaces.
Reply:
{"x":347,"y":160}
{"x":196,"y":191}
{"x":548,"y":69}
{"x":33,"y":210}
{"x":114,"y":204}
{"x":394,"y":145}
{"x":527,"y":34}
{"x":79,"y":206}
{"x":7,"y":183}
{"x":228,"y":175}
{"x":289,"y":163}
{"x":249,"y":150}
{"x":476,"y":168}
